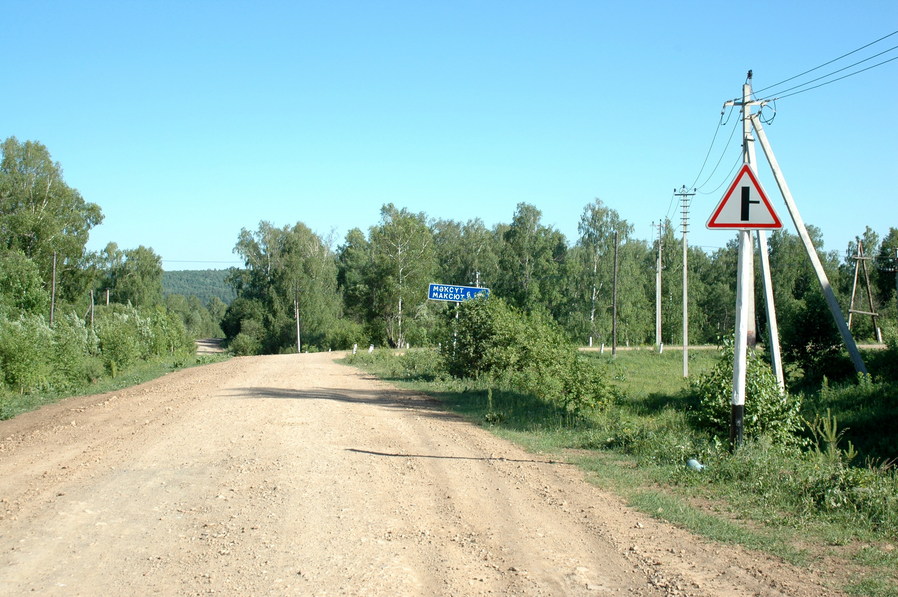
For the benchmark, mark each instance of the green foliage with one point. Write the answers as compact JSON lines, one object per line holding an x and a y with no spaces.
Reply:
{"x":126,"y":335}
{"x":768,"y":410}
{"x":198,"y":320}
{"x":132,"y":276}
{"x":865,"y":407}
{"x":203,"y":284}
{"x":816,"y":484}
{"x":76,"y":353}
{"x":119,"y":333}
{"x":345,"y":333}
{"x":249,"y":340}
{"x":21,"y":287}
{"x":530,"y":262}
{"x":414,"y":364}
{"x":528,"y":353}
{"x":401,"y":265}
{"x":26,"y":353}
{"x":169,"y":336}
{"x":290,"y":273}
{"x":40,"y":214}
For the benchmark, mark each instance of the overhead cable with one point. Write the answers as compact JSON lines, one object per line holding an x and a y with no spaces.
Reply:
{"x":720,"y":123}
{"x":838,"y":79}
{"x":720,"y":159}
{"x":838,"y":71}
{"x":728,"y":177}
{"x":828,"y":63}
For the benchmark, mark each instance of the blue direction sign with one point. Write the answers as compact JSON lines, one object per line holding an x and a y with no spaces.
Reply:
{"x":449,"y":292}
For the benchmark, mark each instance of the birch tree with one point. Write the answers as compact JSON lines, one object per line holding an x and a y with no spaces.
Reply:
{"x":402,"y":265}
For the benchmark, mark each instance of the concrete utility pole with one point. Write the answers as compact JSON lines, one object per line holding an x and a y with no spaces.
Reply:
{"x":744,"y":291}
{"x":658,"y":288}
{"x":749,"y":157}
{"x":296,"y":316}
{"x":746,"y":335}
{"x":685,"y":197}
{"x":614,"y":301}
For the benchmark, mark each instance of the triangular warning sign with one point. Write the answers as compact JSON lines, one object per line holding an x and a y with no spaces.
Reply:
{"x":744,"y":205}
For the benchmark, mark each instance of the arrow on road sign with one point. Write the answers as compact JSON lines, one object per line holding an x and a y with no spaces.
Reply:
{"x":744,"y":206}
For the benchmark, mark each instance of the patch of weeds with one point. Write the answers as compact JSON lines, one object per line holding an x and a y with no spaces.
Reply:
{"x":675,"y":510}
{"x":872,"y":586}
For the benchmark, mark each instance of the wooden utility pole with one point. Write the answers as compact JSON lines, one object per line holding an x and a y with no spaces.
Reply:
{"x":860,"y":261}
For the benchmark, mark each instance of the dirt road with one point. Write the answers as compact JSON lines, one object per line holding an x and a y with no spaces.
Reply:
{"x":294,"y":475}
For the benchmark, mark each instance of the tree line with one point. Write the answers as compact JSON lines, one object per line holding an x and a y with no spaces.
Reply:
{"x":300,"y":291}
{"x":296,"y":292}
{"x":68,"y":315}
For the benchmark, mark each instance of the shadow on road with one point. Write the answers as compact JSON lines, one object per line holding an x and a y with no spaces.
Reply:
{"x":394,"y":398}
{"x":481,"y":458}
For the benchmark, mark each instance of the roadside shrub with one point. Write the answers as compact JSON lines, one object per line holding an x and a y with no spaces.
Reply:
{"x":768,"y":410}
{"x":344,"y":333}
{"x":586,"y":386}
{"x":26,"y":353}
{"x":75,"y":353}
{"x":421,"y":363}
{"x":21,"y":287}
{"x":120,"y":338}
{"x":168,"y":334}
{"x":248,"y":341}
{"x":363,"y":358}
{"x":525,"y":353}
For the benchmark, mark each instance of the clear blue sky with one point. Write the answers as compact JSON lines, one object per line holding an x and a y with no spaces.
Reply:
{"x":187,"y":121}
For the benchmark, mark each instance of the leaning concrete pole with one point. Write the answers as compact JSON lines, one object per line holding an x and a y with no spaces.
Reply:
{"x":828,"y":293}
{"x":772,"y":327}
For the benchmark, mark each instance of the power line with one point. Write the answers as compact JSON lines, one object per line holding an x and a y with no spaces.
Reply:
{"x":826,"y":63}
{"x":728,"y":177}
{"x":839,"y":79}
{"x":197,"y":261}
{"x":840,"y":70}
{"x":720,"y":159}
{"x":720,"y":123}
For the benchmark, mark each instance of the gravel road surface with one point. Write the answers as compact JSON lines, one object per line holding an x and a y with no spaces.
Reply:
{"x":295,"y":475}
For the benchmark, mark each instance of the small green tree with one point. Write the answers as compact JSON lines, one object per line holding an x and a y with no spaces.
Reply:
{"x":26,"y":353}
{"x":525,"y":352}
{"x":768,"y":410}
{"x":21,"y":287}
{"x":76,"y":348}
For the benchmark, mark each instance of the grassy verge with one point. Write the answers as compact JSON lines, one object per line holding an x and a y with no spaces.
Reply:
{"x":12,"y":404}
{"x":807,"y":505}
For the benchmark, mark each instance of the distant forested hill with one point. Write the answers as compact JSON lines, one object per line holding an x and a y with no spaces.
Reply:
{"x":203,"y":284}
